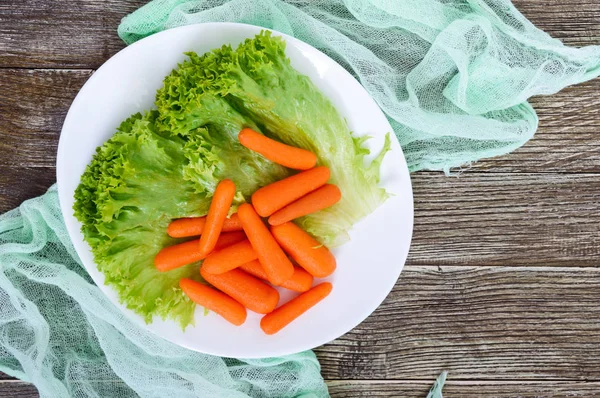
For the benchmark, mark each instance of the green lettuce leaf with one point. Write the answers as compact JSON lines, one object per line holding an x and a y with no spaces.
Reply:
{"x":166,"y":163}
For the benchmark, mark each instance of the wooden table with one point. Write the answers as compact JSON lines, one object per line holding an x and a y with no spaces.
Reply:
{"x":502,"y":285}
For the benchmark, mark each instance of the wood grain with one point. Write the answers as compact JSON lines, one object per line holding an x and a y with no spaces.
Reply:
{"x":502,"y":389}
{"x":568,"y":138}
{"x":498,"y":219}
{"x":487,"y":326}
{"x":34,"y":103}
{"x":574,"y":22}
{"x":61,"y":34}
{"x":479,"y":323}
{"x":21,"y":183}
{"x":17,"y":389}
{"x":409,"y":389}
{"x":82,"y":34}
{"x":474,"y":219}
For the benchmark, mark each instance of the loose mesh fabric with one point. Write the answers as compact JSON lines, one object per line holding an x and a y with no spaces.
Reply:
{"x":453,"y":76}
{"x":60,"y":332}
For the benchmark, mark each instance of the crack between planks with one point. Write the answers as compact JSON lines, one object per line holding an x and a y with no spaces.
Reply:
{"x":48,"y":69}
{"x":466,"y":381}
{"x":426,"y":173}
{"x":450,"y":381}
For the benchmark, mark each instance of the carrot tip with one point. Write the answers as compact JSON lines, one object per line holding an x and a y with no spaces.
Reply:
{"x":274,"y":222}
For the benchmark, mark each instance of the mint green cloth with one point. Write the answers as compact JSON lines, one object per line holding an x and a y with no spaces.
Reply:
{"x":453,"y":76}
{"x":60,"y":332}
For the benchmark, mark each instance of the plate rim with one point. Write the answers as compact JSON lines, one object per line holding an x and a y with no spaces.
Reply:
{"x":99,"y":278}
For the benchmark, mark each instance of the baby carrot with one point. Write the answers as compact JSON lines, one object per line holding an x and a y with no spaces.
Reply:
{"x":185,"y":253}
{"x":214,"y":300}
{"x":300,"y":281}
{"x":324,"y":197}
{"x":228,"y":239}
{"x":193,"y":226}
{"x":277,"y":195}
{"x":253,"y":294}
{"x":284,"y":315}
{"x":229,"y":258}
{"x":304,"y":249}
{"x":278,"y":267}
{"x":217,"y":213}
{"x":285,"y":155}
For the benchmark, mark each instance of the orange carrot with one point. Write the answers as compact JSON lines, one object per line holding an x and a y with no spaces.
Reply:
{"x":300,"y":281}
{"x":304,"y":249}
{"x":284,"y":315}
{"x":185,"y":253}
{"x":277,"y":195}
{"x":278,"y":267}
{"x":229,"y":258}
{"x":214,"y":300}
{"x":324,"y":197}
{"x":177,"y":256}
{"x":217,"y":213}
{"x":253,"y":294}
{"x":228,"y":239}
{"x":285,"y":155}
{"x":193,"y":226}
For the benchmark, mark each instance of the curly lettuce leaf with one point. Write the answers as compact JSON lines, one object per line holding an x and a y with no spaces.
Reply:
{"x":258,"y":80}
{"x":166,"y":163}
{"x":139,"y":181}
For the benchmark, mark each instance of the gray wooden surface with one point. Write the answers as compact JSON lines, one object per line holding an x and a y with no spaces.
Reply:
{"x":502,"y":285}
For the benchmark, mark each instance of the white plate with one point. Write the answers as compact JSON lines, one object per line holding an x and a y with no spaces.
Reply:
{"x":368,"y":266}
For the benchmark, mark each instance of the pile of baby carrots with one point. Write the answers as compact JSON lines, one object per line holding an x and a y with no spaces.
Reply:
{"x":241,"y":253}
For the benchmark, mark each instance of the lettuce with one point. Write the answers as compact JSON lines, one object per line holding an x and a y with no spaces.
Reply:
{"x":165,"y":164}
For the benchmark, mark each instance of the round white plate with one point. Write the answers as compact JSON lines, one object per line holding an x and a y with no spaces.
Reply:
{"x":368,"y":265}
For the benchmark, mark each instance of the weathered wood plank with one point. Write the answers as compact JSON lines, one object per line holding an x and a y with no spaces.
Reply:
{"x":358,"y":389}
{"x":21,"y":183}
{"x":483,"y":324}
{"x":467,"y":389}
{"x":474,"y":219}
{"x":33,"y":105}
{"x":479,"y":323}
{"x":59,"y":34}
{"x":558,"y":18}
{"x":18,"y":389}
{"x":567,"y":140}
{"x":501,"y":219}
{"x":42,"y":34}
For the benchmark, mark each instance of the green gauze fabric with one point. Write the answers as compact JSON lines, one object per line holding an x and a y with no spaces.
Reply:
{"x":453,"y":76}
{"x":60,"y":332}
